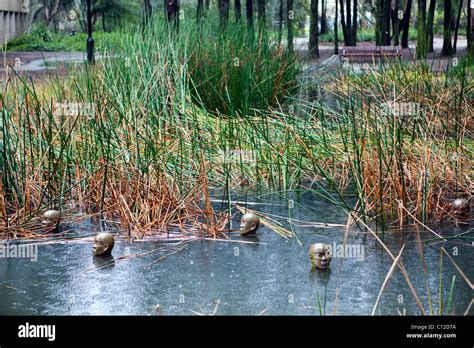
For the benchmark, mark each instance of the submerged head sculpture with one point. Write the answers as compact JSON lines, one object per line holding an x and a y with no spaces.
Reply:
{"x":320,"y":255}
{"x":103,"y":244}
{"x":461,"y":206}
{"x":51,"y":218}
{"x":249,"y":224}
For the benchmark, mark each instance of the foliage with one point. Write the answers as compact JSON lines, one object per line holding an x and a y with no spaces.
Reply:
{"x":236,"y":73}
{"x":153,"y":144}
{"x":227,"y":72}
{"x":42,"y":39}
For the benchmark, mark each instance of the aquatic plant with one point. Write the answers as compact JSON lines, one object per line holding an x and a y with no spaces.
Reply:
{"x":142,"y":135}
{"x":407,"y":140}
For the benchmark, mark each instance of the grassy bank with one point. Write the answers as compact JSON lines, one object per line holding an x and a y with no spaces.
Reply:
{"x":44,"y":40}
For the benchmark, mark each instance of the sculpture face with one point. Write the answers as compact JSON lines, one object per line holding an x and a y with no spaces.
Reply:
{"x":103,"y":244}
{"x":51,"y":218}
{"x":249,"y":224}
{"x":320,"y":255}
{"x":461,"y":205}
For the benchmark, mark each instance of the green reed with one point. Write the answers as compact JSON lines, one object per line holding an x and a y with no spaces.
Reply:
{"x":167,"y":103}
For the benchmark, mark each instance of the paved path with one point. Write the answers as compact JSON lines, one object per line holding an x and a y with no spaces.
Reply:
{"x":39,"y":63}
{"x":301,"y":44}
{"x":36,"y":61}
{"x":435,"y":60}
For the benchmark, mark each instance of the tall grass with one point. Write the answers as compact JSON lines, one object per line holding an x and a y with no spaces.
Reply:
{"x":409,"y":159}
{"x":147,"y":152}
{"x":174,"y":116}
{"x":233,"y":72}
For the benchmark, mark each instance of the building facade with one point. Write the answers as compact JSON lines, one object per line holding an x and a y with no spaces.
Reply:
{"x":13,"y":19}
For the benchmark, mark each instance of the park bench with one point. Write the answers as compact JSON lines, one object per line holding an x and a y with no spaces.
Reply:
{"x":370,"y":53}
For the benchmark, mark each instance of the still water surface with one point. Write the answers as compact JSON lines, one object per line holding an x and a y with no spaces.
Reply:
{"x":273,"y":277}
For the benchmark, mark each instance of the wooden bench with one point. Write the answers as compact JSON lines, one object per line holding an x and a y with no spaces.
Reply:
{"x":370,"y":53}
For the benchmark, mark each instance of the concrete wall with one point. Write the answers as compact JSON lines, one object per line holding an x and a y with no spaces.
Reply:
{"x":13,"y":18}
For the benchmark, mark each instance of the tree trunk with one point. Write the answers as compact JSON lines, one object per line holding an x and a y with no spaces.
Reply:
{"x":55,"y":25}
{"x":386,"y":22}
{"x":223,"y":13}
{"x":343,"y":22}
{"x":354,"y":24}
{"x":261,"y":11}
{"x":289,"y":21}
{"x":280,"y":22}
{"x":49,"y":14}
{"x":396,"y":23}
{"x":238,"y":10}
{"x":324,"y":25}
{"x":36,"y":14}
{"x":382,"y":27}
{"x":148,"y":9}
{"x":349,"y":22}
{"x":249,"y":12}
{"x":421,"y":30}
{"x":447,"y":43}
{"x":406,"y":24}
{"x":429,"y":26}
{"x":200,"y":10}
{"x":469,"y":30}
{"x":172,"y":12}
{"x":456,"y":29}
{"x":378,"y":23}
{"x":348,"y":42}
{"x":313,"y":30}
{"x":336,"y":39}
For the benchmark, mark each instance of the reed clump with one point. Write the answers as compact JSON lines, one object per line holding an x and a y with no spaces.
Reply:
{"x":144,"y":134}
{"x":65,"y":149}
{"x":407,"y":138}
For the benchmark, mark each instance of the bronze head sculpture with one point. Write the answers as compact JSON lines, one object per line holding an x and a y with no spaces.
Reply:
{"x":320,"y":256}
{"x":51,"y":218}
{"x":249,"y":224}
{"x":103,"y":244}
{"x":460,"y":207}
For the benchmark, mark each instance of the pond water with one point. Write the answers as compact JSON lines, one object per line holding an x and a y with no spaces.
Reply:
{"x":273,"y":277}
